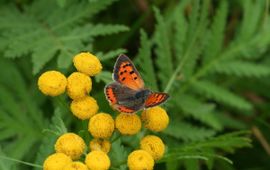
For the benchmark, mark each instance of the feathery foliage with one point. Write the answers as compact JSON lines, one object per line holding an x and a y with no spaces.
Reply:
{"x":210,"y":56}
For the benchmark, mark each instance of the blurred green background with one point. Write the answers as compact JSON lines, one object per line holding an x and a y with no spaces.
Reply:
{"x":211,"y":56}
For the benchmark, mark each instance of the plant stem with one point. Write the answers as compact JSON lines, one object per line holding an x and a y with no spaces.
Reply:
{"x":19,"y":161}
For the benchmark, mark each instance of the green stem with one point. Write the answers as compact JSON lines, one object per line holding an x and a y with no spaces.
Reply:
{"x":19,"y":161}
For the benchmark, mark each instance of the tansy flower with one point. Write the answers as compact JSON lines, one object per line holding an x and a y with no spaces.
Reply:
{"x":140,"y":160}
{"x":71,"y":145}
{"x":100,"y":145}
{"x":87,"y":63}
{"x":155,"y":119}
{"x":153,"y":145}
{"x":84,"y":108}
{"x":128,"y":124}
{"x":97,"y":160}
{"x":52,"y":83}
{"x":101,"y":125}
{"x":56,"y":161}
{"x":78,"y":85}
{"x":75,"y":166}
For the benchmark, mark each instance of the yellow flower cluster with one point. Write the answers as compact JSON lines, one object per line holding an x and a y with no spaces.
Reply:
{"x":70,"y":147}
{"x":78,"y":85}
{"x":152,"y":147}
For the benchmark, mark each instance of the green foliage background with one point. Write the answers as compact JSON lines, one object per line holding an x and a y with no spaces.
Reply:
{"x":211,"y":56}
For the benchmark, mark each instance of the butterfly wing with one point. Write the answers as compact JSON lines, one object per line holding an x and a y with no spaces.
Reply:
{"x":125,"y":73}
{"x":155,"y":99}
{"x":123,"y":98}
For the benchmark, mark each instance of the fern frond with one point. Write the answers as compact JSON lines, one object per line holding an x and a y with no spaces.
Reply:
{"x":188,"y":132}
{"x":104,"y":76}
{"x":111,"y":54}
{"x":145,"y":62}
{"x":242,"y":69}
{"x":163,"y":50}
{"x":180,"y":26}
{"x":57,"y":33}
{"x":47,"y":143}
{"x":200,"y":111}
{"x":215,"y":41}
{"x":253,"y":12}
{"x":119,"y":153}
{"x":220,"y":94}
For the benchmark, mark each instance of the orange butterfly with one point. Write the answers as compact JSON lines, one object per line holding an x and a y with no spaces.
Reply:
{"x":127,"y":93}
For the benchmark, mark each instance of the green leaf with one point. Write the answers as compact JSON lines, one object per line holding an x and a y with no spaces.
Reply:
{"x":242,"y":69}
{"x":119,"y":155}
{"x":104,"y":76}
{"x":50,"y":135}
{"x":58,"y":33}
{"x":188,"y":132}
{"x":145,"y":62}
{"x":215,"y":42}
{"x":163,"y":50}
{"x":200,"y":111}
{"x":222,"y":95}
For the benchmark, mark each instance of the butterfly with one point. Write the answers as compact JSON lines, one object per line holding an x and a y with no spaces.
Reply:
{"x":127,"y":93}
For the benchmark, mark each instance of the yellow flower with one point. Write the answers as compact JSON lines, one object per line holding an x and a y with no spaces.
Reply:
{"x":155,"y":119}
{"x":128,"y":124}
{"x":84,"y":108}
{"x":75,"y":166}
{"x":140,"y":160}
{"x":52,"y":83}
{"x":71,"y":145}
{"x":101,"y":125}
{"x":78,"y":85}
{"x":87,"y":63}
{"x":56,"y":161}
{"x":97,"y":160}
{"x":153,"y":145}
{"x":100,"y":145}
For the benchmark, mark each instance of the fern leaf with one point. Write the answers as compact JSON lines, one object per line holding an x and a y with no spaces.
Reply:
{"x":163,"y":50}
{"x":104,"y":76}
{"x":47,"y":35}
{"x":110,"y":54}
{"x":215,"y":41}
{"x":188,"y":132}
{"x":200,"y":111}
{"x":222,"y":95}
{"x":242,"y":69}
{"x":119,"y":153}
{"x":180,"y":26}
{"x":253,"y":12}
{"x":145,"y":62}
{"x":47,"y":144}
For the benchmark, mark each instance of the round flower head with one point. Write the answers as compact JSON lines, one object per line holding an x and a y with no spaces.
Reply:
{"x":101,"y":125}
{"x":153,"y":145}
{"x":140,"y":160}
{"x":100,"y":145}
{"x":97,"y":160}
{"x":75,"y":166}
{"x":128,"y":124}
{"x":155,"y":119}
{"x":78,"y":85}
{"x":71,"y":145}
{"x":84,"y":108}
{"x":52,"y":83}
{"x":56,"y":161}
{"x":87,"y":63}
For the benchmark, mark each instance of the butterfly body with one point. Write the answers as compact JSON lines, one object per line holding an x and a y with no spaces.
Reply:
{"x":127,"y":93}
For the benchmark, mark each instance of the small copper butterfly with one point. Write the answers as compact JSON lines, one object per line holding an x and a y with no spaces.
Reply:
{"x":127,"y":93}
